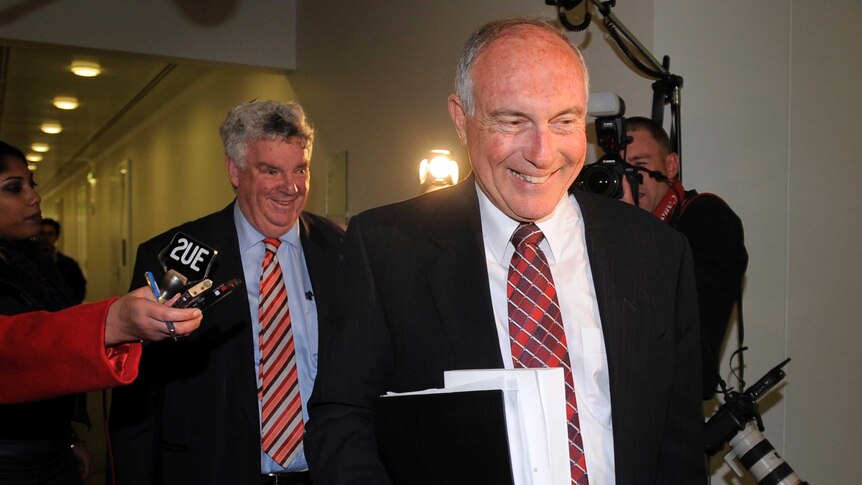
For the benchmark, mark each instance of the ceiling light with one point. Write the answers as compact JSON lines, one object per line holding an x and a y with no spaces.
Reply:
{"x":86,"y":67}
{"x":34,"y":157}
{"x":66,"y":102}
{"x":40,"y":147}
{"x":51,"y":128}
{"x":32,"y":167}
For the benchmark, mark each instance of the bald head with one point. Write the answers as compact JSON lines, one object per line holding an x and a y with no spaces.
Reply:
{"x":488,"y":34}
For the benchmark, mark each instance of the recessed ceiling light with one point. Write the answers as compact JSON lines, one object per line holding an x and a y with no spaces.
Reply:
{"x":51,"y":128}
{"x":66,"y":102}
{"x":40,"y":147}
{"x":34,"y":157}
{"x":32,"y":167}
{"x":86,"y":67}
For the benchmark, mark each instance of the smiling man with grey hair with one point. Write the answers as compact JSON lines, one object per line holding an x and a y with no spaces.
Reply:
{"x":508,"y":269}
{"x":227,"y":405}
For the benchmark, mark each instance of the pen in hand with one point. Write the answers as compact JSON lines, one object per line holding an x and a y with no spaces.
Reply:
{"x":151,"y":280}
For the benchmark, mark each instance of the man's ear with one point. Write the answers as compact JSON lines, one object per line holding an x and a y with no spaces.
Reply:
{"x":459,"y":117}
{"x":671,"y":161}
{"x":233,"y":171}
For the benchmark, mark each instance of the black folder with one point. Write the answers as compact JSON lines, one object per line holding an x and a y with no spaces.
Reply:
{"x":447,"y":438}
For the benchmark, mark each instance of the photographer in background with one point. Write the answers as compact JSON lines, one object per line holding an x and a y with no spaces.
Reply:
{"x":713,"y":230}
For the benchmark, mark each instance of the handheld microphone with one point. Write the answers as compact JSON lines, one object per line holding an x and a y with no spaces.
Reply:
{"x":185,"y":260}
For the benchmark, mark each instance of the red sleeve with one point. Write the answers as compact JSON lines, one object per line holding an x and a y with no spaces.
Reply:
{"x":46,"y":354}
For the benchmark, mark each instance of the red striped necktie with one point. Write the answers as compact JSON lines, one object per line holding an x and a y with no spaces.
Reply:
{"x":536,"y":329}
{"x":281,"y":409}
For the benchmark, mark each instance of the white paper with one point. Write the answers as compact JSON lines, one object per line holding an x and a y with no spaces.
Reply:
{"x":540,"y":446}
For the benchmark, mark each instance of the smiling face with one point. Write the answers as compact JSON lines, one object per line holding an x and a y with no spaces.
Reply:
{"x":527,"y":135}
{"x":271,"y":184}
{"x":20,"y":214}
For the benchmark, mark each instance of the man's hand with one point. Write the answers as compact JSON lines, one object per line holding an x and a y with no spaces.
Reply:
{"x":136,"y":316}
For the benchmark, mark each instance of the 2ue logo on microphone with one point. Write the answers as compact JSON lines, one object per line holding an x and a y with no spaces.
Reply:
{"x":187,"y":256}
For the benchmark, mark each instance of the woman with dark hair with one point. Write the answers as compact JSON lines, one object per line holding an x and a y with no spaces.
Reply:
{"x":50,"y":355}
{"x":35,"y":437}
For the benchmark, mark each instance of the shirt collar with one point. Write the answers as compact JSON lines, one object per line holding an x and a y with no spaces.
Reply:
{"x":249,"y":236}
{"x":497,"y":227}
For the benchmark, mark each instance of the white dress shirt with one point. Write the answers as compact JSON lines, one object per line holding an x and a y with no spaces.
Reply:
{"x":566,"y":250}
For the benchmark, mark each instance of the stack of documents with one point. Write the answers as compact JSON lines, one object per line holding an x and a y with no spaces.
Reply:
{"x":501,"y":426}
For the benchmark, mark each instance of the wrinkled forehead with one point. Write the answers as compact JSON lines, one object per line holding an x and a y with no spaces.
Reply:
{"x":532,"y":50}
{"x":541,"y":71}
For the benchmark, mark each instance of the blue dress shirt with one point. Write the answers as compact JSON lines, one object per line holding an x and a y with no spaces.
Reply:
{"x":303,"y":313}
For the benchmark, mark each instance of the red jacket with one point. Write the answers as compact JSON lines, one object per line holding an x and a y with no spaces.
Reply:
{"x":42,"y":356}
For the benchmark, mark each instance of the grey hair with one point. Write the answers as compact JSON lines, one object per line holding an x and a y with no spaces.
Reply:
{"x":263,"y":120}
{"x":487,"y":34}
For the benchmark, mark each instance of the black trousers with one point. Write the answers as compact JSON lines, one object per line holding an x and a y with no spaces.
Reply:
{"x":289,"y":478}
{"x":38,"y":462}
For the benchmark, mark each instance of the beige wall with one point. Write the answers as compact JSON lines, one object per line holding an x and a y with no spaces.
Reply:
{"x":770,"y":109}
{"x":824,"y":326}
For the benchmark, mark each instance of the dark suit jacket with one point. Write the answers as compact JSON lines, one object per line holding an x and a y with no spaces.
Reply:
{"x":420,"y":304}
{"x":715,"y":235}
{"x":192,"y":416}
{"x":72,"y":275}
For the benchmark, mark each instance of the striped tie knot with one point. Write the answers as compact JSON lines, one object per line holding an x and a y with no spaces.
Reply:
{"x":527,"y":234}
{"x":272,"y":244}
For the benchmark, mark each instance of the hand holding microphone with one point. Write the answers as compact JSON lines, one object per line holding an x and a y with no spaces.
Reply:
{"x":186,"y":263}
{"x":135,"y":317}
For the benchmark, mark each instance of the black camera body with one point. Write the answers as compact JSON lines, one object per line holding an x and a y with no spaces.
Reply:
{"x":605,"y":176}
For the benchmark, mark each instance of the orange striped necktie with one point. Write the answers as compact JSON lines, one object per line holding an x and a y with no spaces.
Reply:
{"x":281,"y":408}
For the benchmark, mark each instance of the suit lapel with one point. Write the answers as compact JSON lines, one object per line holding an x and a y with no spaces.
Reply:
{"x":622,"y":299}
{"x":622,"y":275}
{"x":235,"y":312}
{"x":459,"y":281}
{"x":606,"y":252}
{"x":320,"y":260}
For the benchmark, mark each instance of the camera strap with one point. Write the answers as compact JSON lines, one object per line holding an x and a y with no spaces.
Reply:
{"x":668,"y":204}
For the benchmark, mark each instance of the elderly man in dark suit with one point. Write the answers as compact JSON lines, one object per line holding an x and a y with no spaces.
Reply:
{"x":226,"y":405}
{"x":507,"y":269}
